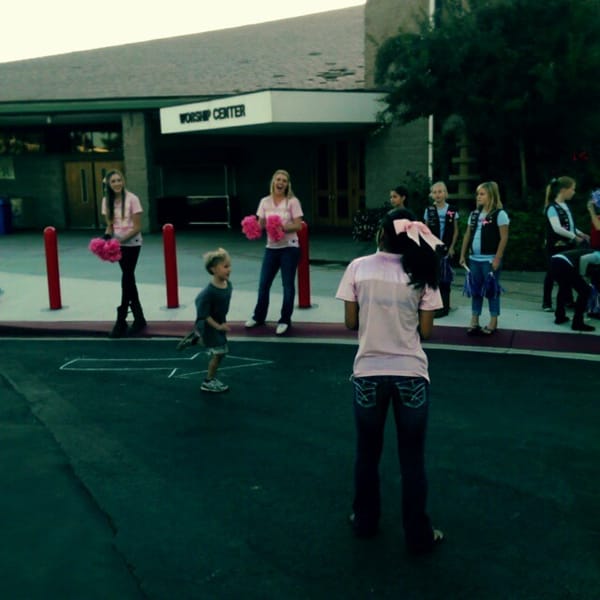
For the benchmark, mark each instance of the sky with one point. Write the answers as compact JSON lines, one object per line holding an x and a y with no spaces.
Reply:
{"x":34,"y":28}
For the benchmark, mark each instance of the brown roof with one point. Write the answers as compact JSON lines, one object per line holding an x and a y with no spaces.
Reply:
{"x":323,"y":51}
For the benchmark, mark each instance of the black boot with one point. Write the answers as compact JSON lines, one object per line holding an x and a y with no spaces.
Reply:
{"x":120,"y":327}
{"x":139,"y":322}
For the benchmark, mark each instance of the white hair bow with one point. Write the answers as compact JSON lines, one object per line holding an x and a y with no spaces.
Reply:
{"x":416,"y":230}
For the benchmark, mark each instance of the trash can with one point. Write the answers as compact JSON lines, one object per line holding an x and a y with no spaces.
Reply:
{"x":5,"y":215}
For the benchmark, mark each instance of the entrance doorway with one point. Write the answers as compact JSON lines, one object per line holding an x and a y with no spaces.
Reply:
{"x":340,"y":182}
{"x":84,"y":192}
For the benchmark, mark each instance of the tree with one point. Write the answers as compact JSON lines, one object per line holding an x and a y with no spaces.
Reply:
{"x":521,"y":74}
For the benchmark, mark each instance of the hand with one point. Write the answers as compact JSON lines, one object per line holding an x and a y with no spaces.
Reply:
{"x":224,"y":327}
{"x":496,"y":263}
{"x":451,"y":252}
{"x":462,"y":262}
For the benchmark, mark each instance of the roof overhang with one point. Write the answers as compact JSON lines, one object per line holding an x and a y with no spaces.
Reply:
{"x":275,"y":112}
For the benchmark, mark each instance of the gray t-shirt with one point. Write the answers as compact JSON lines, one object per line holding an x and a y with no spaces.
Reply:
{"x":212,"y":302}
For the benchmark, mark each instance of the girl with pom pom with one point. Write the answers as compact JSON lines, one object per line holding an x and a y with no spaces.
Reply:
{"x":122,"y":211}
{"x":390,"y":298}
{"x":486,"y":237}
{"x":280,"y":213}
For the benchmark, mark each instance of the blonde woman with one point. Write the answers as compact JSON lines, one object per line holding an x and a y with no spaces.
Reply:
{"x":485,"y":238}
{"x":280,"y":255}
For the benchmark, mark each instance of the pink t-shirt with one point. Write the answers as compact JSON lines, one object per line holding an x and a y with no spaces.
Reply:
{"x":388,"y":339}
{"x":288,"y":210}
{"x":123,"y":224}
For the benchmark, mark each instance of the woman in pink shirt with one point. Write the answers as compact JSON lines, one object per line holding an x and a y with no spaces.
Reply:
{"x":391,"y":297}
{"x":281,"y":254}
{"x":123,"y":213}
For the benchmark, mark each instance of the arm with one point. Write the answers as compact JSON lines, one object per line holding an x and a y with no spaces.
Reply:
{"x":503,"y":229}
{"x":593,"y":216}
{"x":351,"y":315}
{"x":454,"y":238}
{"x":295,"y":225}
{"x":465,"y":244}
{"x":218,"y":326}
{"x":137,"y":227}
{"x":426,"y":323}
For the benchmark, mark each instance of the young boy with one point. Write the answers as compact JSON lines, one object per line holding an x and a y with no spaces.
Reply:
{"x":212,"y":305}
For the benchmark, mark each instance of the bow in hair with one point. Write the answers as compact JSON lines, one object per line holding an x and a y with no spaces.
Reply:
{"x":416,"y":230}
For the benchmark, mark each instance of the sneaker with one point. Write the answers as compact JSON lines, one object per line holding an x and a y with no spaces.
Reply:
{"x":582,"y":327}
{"x":250,"y":323}
{"x":191,"y":339}
{"x":213,"y":385}
{"x":547,"y":308}
{"x":281,"y":328}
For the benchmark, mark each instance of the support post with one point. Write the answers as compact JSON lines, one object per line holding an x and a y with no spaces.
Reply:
{"x":170,"y":265}
{"x":303,"y":269}
{"x":52,"y":272}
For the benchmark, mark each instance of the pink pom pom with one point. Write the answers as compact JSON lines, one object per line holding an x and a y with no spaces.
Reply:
{"x":106,"y":250}
{"x":96,"y":245}
{"x":251,"y":227}
{"x":275,"y":228}
{"x":112,"y":250}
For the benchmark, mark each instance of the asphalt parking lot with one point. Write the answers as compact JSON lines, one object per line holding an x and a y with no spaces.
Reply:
{"x":122,"y":480}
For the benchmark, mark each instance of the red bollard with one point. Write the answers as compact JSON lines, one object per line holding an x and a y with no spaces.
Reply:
{"x":51,"y":247}
{"x":303,"y":269}
{"x":170,"y":265}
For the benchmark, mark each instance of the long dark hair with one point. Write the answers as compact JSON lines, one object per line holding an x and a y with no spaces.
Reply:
{"x":110,"y":194}
{"x":420,"y":262}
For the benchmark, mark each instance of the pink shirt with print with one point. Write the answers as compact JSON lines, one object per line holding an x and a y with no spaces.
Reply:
{"x":388,"y":338}
{"x":124,"y":223}
{"x":288,"y":210}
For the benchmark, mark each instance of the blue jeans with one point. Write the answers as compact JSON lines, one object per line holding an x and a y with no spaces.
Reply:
{"x":409,"y":397}
{"x":285,"y":259}
{"x":479,"y":271}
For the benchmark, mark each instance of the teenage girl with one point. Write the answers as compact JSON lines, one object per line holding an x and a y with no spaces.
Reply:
{"x":486,"y":237}
{"x":399,"y":197}
{"x":390,"y":297}
{"x":442,"y":219}
{"x":561,"y":233}
{"x":123,"y":213}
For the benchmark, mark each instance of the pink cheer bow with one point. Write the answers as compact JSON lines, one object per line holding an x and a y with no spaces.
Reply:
{"x":416,"y":231}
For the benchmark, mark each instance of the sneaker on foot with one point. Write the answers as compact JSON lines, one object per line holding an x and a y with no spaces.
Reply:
{"x":547,"y":308}
{"x":281,"y":328}
{"x":191,"y":339}
{"x":582,"y":327}
{"x":213,"y":385}
{"x":250,"y":323}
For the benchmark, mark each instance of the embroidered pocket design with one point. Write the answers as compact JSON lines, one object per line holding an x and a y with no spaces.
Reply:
{"x":365,"y":392}
{"x":413,"y":392}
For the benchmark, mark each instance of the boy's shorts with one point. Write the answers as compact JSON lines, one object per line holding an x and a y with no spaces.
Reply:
{"x":218,"y":350}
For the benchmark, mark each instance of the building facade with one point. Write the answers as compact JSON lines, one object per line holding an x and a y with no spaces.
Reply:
{"x":199,"y":123}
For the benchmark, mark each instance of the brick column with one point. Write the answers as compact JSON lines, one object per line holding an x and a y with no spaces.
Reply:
{"x":137,"y":154}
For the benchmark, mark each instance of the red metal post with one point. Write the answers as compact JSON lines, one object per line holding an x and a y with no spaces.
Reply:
{"x":303,"y":269}
{"x":170,"y":265}
{"x":51,"y":248}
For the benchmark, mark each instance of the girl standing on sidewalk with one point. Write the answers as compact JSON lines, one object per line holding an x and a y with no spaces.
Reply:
{"x":561,"y":232}
{"x":390,"y":297}
{"x":123,"y":211}
{"x":442,"y":219}
{"x":486,"y":237}
{"x":280,"y":255}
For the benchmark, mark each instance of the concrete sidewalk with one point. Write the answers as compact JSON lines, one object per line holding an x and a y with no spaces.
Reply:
{"x":90,"y":291}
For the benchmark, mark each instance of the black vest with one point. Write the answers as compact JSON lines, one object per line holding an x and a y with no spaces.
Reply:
{"x":552,"y":238}
{"x":433,"y":222}
{"x":490,"y":236}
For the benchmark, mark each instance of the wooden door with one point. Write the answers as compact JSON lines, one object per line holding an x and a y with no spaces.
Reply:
{"x":339,"y":184}
{"x":84,"y":192}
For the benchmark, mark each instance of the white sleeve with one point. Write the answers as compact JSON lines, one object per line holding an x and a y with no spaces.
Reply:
{"x":559,"y":229}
